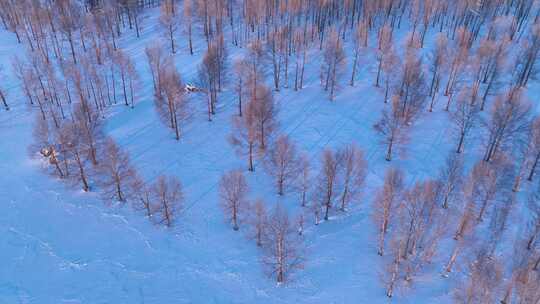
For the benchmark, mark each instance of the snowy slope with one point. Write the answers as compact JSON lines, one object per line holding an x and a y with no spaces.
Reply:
{"x":63,"y":246}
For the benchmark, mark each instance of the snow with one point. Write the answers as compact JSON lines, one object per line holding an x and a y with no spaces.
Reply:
{"x":60,"y":245}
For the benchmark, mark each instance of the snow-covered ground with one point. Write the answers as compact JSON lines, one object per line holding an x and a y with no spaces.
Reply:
{"x":58,"y":245}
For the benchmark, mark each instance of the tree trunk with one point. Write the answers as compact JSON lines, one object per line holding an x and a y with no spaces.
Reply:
{"x":354,"y":68}
{"x":119,"y":191}
{"x":3,"y":97}
{"x":389,"y":151}
{"x":176,"y":131}
{"x":250,"y":157}
{"x":172,"y":39}
{"x":382,"y":236}
{"x":123,"y":77}
{"x":327,"y":209}
{"x":378,"y":73}
{"x":533,"y":169}
{"x":70,"y":39}
{"x":460,"y":145}
{"x":390,"y":290}
{"x":190,"y":39}
{"x":453,"y":258}
{"x":235,"y":218}
{"x":81,"y":172}
{"x":482,"y":210}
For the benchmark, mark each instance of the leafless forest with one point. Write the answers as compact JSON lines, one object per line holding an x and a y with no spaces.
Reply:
{"x":476,"y":223}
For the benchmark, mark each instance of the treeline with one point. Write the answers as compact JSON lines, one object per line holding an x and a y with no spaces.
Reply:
{"x":73,"y":72}
{"x":467,"y":222}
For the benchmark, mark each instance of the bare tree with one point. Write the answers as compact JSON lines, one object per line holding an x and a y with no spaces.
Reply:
{"x":458,"y":57}
{"x":90,"y":126}
{"x":3,"y":97}
{"x":465,"y":234}
{"x":334,"y":60}
{"x":172,"y":107}
{"x":128,"y":76}
{"x":4,"y":100}
{"x":233,"y":189}
{"x":464,"y":116}
{"x":392,"y":269}
{"x":116,"y":172}
{"x":264,"y":111}
{"x":388,"y":66}
{"x":259,"y":221}
{"x":412,"y":89}
{"x":496,"y":66}
{"x":326,"y":189}
{"x":211,"y":71}
{"x":493,"y":181}
{"x":283,"y":249}
{"x":437,"y":64}
{"x":415,"y":239}
{"x":241,"y":72}
{"x":450,"y":178}
{"x":533,"y":237}
{"x":144,"y":197}
{"x":255,"y":59}
{"x":526,"y":153}
{"x":528,"y":56}
{"x":303,"y":180}
{"x":535,"y":145}
{"x":188,"y":16}
{"x":80,"y":152}
{"x":384,"y":45}
{"x":386,"y":204}
{"x":157,"y":60}
{"x":508,"y":123}
{"x":169,"y":198}
{"x":522,"y":279}
{"x":301,"y":44}
{"x":392,"y":127}
{"x":69,"y":20}
{"x":354,"y":171}
{"x":283,"y":162}
{"x":245,"y":136}
{"x":360,"y":39}
{"x":485,"y":275}
{"x":170,"y":21}
{"x":277,"y":49}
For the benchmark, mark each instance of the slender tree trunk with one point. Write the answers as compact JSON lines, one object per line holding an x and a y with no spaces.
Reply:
{"x":452,"y":259}
{"x":378,"y":72}
{"x":176,"y":130}
{"x":382,"y":236}
{"x":395,"y":269}
{"x":461,"y":140}
{"x":70,"y":39}
{"x":235,"y":217}
{"x":123,"y":77}
{"x":3,"y":97}
{"x":81,"y":172}
{"x":389,"y":151}
{"x":537,"y":264}
{"x":533,"y":169}
{"x":482,"y":210}
{"x":119,"y":191}
{"x":190,"y":39}
{"x":251,"y":157}
{"x":327,"y":206}
{"x":354,"y":68}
